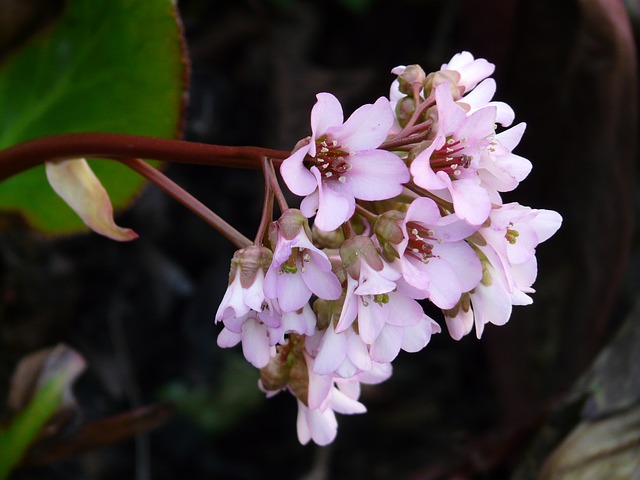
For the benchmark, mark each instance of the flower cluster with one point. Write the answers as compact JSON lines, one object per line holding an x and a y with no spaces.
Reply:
{"x":405,"y":197}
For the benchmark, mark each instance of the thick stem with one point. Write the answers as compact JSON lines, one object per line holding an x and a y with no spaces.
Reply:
{"x":24,"y":156}
{"x":188,"y":200}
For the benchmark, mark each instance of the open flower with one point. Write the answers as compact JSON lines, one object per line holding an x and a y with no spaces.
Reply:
{"x":298,"y":268}
{"x":448,"y":166}
{"x":340,"y":161}
{"x":434,"y":258}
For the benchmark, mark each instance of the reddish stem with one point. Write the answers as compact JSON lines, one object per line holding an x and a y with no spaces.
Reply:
{"x":29,"y":154}
{"x":188,"y":200}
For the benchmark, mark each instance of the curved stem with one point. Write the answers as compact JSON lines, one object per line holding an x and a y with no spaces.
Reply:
{"x":188,"y":200}
{"x":273,"y":178}
{"x":29,"y":154}
{"x":267,"y":204}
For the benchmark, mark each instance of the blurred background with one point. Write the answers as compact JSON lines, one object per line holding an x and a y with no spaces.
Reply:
{"x":141,"y":314}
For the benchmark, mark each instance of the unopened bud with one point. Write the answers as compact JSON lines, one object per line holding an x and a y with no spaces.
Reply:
{"x":412,"y":77}
{"x":356,"y":249}
{"x":389,"y":231}
{"x":323,"y":239}
{"x":247,"y":262}
{"x":275,"y":376}
{"x":444,"y":76}
{"x":288,"y":226}
{"x":404,"y":110}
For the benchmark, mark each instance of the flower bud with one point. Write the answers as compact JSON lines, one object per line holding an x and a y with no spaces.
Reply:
{"x":404,"y":110}
{"x":444,"y":76}
{"x":289,"y":225}
{"x":356,"y":249}
{"x":323,"y":239}
{"x":275,"y":376}
{"x":388,"y":230}
{"x":248,"y":262}
{"x":413,"y":76}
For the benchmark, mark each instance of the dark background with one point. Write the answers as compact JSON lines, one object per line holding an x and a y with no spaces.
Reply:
{"x":142,"y":313}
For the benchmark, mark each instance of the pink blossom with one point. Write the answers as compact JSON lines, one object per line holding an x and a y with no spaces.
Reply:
{"x":298,"y":269}
{"x":434,"y":258}
{"x":370,"y":295}
{"x":448,"y":166}
{"x":470,"y":69}
{"x":509,"y":267}
{"x":340,"y":162}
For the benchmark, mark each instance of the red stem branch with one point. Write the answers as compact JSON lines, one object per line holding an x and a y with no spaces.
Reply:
{"x":24,"y":156}
{"x":188,"y":200}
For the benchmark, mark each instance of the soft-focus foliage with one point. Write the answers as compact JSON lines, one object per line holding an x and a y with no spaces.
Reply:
{"x":95,"y":69}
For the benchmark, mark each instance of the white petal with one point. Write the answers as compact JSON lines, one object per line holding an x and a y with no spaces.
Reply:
{"x":255,"y":343}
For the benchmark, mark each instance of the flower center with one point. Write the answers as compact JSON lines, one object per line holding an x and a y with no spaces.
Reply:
{"x":330,"y":159}
{"x":298,"y":258}
{"x":421,"y":240}
{"x":448,"y":158}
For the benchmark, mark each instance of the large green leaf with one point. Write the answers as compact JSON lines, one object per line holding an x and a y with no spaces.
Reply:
{"x":104,"y":66}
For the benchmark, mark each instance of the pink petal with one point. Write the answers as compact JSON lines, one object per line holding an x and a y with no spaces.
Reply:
{"x":416,"y":337}
{"x":445,"y":289}
{"x":470,"y":201}
{"x":376,"y":175}
{"x":293,"y":292}
{"x":450,"y":115}
{"x":546,"y":223}
{"x":405,"y":311}
{"x":510,"y":139}
{"x":296,"y":176}
{"x":371,"y":319}
{"x":350,"y":307}
{"x":358,"y":352}
{"x":344,"y":404}
{"x":366,"y":128}
{"x":228,"y":339}
{"x":255,"y":343}
{"x":334,"y":205}
{"x":464,"y":262}
{"x":461,"y":324}
{"x":331,"y":352}
{"x":326,"y":113}
{"x":387,"y":344}
{"x":324,"y":284}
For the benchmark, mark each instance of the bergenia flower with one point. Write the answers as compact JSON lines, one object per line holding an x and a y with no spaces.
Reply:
{"x":340,"y":162}
{"x":246,"y":281}
{"x":509,"y":267}
{"x":434,"y":258}
{"x":371,"y":294}
{"x":299,"y":269}
{"x":471,"y":70}
{"x":448,"y":166}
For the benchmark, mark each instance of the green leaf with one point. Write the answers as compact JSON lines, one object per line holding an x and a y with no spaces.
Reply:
{"x":24,"y":429}
{"x":106,"y":66}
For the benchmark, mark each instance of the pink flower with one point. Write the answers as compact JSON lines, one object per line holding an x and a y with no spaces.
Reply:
{"x":448,"y":167}
{"x":246,"y":281}
{"x":434,"y":258}
{"x":258,"y":343}
{"x":316,"y":419}
{"x":370,"y":296}
{"x":471,"y":70}
{"x":340,"y":162}
{"x":509,"y":267}
{"x":299,"y":269}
